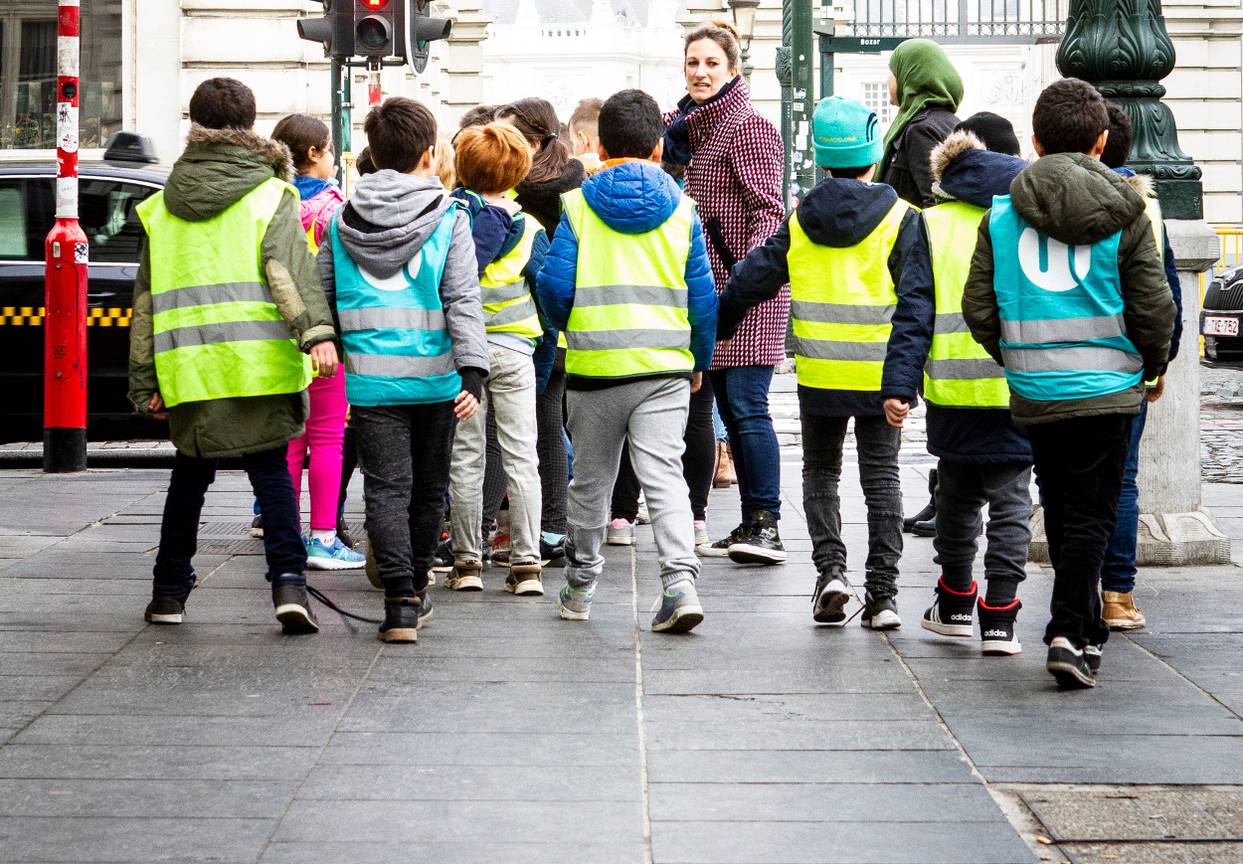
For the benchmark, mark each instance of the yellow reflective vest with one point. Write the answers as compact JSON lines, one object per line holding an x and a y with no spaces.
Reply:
{"x":841,"y":303}
{"x":959,"y":373}
{"x":217,"y":332}
{"x":630,"y":299}
{"x":508,"y":306}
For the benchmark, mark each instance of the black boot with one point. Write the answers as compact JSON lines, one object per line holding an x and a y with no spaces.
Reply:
{"x":929,"y":513}
{"x":762,"y":545}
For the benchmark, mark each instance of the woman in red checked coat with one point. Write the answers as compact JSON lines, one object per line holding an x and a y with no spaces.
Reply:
{"x":733,"y":159}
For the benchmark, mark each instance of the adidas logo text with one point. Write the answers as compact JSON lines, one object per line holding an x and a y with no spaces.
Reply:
{"x":995,"y":634}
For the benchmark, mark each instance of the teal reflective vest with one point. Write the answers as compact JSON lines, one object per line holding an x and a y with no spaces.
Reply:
{"x":397,"y":349}
{"x":1063,"y":336}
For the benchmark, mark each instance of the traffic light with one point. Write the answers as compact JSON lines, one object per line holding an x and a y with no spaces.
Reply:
{"x":335,"y":31}
{"x":377,"y":24}
{"x":422,"y":30}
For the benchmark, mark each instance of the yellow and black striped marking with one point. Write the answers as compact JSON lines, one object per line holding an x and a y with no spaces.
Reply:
{"x":32,"y":316}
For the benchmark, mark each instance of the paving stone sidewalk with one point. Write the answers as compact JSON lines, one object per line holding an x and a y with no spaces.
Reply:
{"x":507,"y":734}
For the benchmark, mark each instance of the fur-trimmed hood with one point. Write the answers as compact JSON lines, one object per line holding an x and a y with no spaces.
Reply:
{"x":218,"y":167}
{"x":963,"y":169}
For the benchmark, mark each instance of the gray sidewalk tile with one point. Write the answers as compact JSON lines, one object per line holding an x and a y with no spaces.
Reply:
{"x":815,"y":766}
{"x":309,"y":728}
{"x":567,"y":850}
{"x":430,"y":782}
{"x":155,"y":762}
{"x":800,"y":734}
{"x":111,"y":839}
{"x":155,"y":799}
{"x":452,"y":743}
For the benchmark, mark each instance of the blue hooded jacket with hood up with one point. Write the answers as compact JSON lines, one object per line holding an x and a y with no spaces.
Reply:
{"x":965,"y":171}
{"x":631,"y":198}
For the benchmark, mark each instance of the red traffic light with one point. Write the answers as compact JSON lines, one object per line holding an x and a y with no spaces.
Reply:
{"x":374,"y":5}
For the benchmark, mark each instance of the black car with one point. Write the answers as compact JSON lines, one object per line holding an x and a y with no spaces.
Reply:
{"x":108,"y":192}
{"x":1221,"y":322}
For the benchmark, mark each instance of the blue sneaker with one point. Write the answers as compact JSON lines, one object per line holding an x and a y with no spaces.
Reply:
{"x":574,"y":604}
{"x":334,"y":556}
{"x":679,"y":610}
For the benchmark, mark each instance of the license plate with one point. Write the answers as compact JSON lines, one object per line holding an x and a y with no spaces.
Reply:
{"x":1221,"y":326}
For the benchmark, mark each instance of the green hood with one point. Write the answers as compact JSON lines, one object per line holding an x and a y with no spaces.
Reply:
{"x":218,"y":167}
{"x":1074,"y":198}
{"x":926,"y":77}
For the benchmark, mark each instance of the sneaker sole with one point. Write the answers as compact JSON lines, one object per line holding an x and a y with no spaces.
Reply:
{"x":745,"y":553}
{"x":711,"y":552}
{"x":619,"y":541}
{"x":1125,"y":625}
{"x":997,"y":648}
{"x":401,"y":635}
{"x":295,"y":619}
{"x":958,"y":631}
{"x":884,"y":621}
{"x":1069,"y":676}
{"x":830,"y":608}
{"x":442,"y":568}
{"x":922,"y":532}
{"x":257,"y":533}
{"x":570,"y":614}
{"x":333,"y":564}
{"x":527,"y":588}
{"x":164,"y":619}
{"x":683,"y":620}
{"x":464,"y":583}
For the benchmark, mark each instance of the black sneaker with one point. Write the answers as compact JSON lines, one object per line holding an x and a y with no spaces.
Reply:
{"x":925,"y":527}
{"x":293,"y":609}
{"x":343,"y":531}
{"x":552,"y":554}
{"x":952,"y":613}
{"x":404,"y":617}
{"x":930,"y":509}
{"x":762,"y":545}
{"x":1092,"y":653}
{"x":1068,"y":665}
{"x":164,"y":610}
{"x":880,"y":613}
{"x":997,"y":635}
{"x":720,"y":549}
{"x":442,"y":561}
{"x":256,"y":525}
{"x":828,"y":601}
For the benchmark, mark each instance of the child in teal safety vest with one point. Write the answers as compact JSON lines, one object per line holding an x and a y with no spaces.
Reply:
{"x":509,"y":251}
{"x":627,"y":280}
{"x":1067,"y":293}
{"x":398,"y":266}
{"x":843,"y":251}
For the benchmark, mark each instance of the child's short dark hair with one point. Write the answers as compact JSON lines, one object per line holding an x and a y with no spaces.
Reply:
{"x":1118,"y":147}
{"x":848,"y":173}
{"x":1070,"y":115}
{"x":301,"y":132}
{"x":364,"y":164}
{"x":480,"y":115}
{"x":399,"y":131}
{"x":630,"y":125}
{"x":223,"y":103}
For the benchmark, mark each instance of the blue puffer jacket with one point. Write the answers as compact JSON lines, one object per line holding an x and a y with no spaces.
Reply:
{"x":631,"y":198}
{"x":964,"y":435}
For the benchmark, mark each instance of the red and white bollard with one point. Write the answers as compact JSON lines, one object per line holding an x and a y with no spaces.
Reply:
{"x":66,"y":251}
{"x":375,"y":95}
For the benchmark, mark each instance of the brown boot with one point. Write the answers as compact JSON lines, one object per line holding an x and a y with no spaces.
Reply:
{"x":725,"y":476}
{"x":1120,"y":611}
{"x":465,"y":576}
{"x":525,"y":578}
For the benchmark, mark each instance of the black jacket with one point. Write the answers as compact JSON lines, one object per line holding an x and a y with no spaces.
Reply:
{"x":543,"y":200}
{"x":962,"y":435}
{"x":837,"y":213}
{"x":908,"y":171}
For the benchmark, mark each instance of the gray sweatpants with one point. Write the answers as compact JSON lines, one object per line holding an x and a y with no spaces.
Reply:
{"x":962,"y":492}
{"x":652,"y":415}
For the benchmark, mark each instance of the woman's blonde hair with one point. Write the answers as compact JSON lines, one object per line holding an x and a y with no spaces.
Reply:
{"x":443,"y":162}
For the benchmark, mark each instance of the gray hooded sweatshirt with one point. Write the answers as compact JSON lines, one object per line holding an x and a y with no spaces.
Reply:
{"x":387,"y":220}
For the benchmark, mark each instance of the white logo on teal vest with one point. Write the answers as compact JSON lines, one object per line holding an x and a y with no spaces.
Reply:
{"x":1048,"y":263}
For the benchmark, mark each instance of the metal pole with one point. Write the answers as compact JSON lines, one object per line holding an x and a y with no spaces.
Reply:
{"x":339,"y":144}
{"x":803,"y":96}
{"x":65,"y":270}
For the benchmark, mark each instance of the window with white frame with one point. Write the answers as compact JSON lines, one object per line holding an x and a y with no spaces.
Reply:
{"x":876,"y":97}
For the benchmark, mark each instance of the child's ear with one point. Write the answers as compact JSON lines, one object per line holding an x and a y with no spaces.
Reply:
{"x":425,"y":161}
{"x":1037,"y":146}
{"x":602,"y":153}
{"x":658,"y":152}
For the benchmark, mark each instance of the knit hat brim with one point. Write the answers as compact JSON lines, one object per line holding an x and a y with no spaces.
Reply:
{"x":841,"y":155}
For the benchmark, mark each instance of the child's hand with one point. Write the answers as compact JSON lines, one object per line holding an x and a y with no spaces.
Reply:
{"x":896,"y":411}
{"x":697,"y":381}
{"x":324,"y":359}
{"x":465,"y":406}
{"x":1155,"y":391}
{"x":156,"y":407}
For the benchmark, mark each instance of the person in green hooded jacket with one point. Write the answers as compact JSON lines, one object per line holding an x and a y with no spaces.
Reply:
{"x":927,"y":89}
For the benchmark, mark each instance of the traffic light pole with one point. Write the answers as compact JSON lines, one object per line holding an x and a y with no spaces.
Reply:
{"x":341,"y":132}
{"x":65,"y":268}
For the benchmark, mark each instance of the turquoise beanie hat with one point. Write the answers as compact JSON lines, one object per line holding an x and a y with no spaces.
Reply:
{"x":846,"y":134}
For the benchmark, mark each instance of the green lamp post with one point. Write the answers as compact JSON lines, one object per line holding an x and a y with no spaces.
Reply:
{"x":1123,"y":48}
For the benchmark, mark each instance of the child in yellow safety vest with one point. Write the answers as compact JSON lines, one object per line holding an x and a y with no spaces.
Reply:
{"x":843,"y":251}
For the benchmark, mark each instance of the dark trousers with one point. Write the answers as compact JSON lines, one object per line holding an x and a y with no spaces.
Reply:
{"x":962,"y":492}
{"x":742,"y":400}
{"x":1079,"y":465}
{"x":349,"y":461}
{"x":698,"y":462}
{"x":1118,"y":571}
{"x":403,"y":451}
{"x":878,"y":443}
{"x":268,"y":471}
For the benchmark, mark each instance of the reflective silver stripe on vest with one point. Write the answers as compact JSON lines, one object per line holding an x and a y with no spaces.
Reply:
{"x":1081,"y":358}
{"x":609,"y":340}
{"x":390,"y":318}
{"x":951,"y":322}
{"x":511,"y":314}
{"x":1063,"y":329}
{"x":966,"y":369}
{"x":505,"y":293}
{"x":640,"y":295}
{"x":839,"y":313}
{"x":822,"y":349}
{"x":206,"y":295}
{"x":396,"y":366}
{"x":211,"y":334}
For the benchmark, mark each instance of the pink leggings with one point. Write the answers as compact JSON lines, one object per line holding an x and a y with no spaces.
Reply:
{"x":325,"y":431}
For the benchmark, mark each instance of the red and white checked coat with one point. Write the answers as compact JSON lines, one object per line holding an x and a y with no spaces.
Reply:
{"x":735,"y":177}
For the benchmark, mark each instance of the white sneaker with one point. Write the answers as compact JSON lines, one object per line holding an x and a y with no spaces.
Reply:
{"x":620,"y":533}
{"x":701,"y":534}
